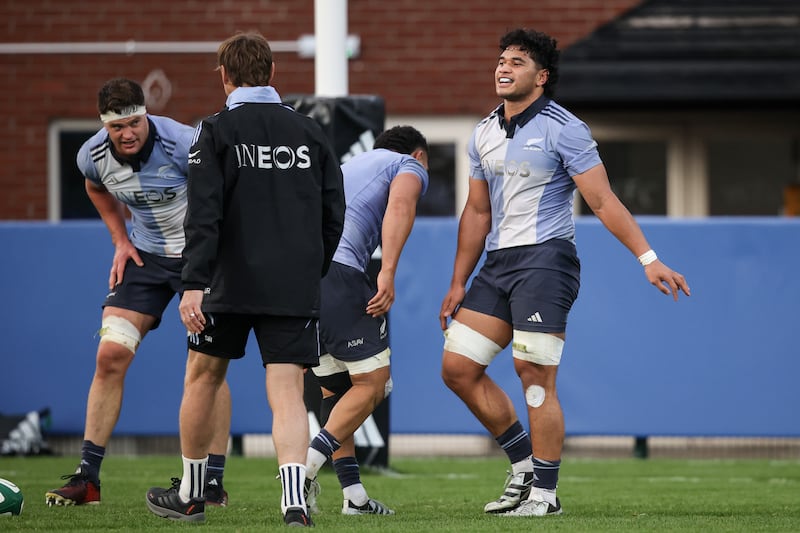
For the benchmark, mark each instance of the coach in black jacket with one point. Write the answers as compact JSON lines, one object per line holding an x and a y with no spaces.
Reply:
{"x":265,"y":208}
{"x":266,"y":211}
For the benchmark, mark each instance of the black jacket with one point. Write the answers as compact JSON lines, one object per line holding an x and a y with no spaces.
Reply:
{"x":266,"y":211}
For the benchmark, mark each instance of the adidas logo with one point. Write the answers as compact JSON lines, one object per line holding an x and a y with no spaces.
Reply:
{"x":213,"y":482}
{"x":535,"y":317}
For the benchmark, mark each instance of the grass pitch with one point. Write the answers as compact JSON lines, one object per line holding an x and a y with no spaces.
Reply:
{"x":437,"y":495}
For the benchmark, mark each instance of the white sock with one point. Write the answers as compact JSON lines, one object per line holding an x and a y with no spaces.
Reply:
{"x":314,"y":461}
{"x":193,"y":481}
{"x":356,"y":494}
{"x":293,"y":477}
{"x":545,"y":495}
{"x":526,"y":465}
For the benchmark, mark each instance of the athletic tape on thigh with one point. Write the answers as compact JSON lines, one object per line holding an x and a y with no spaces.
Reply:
{"x":370,"y":364}
{"x":465,"y":341}
{"x":328,"y":365}
{"x":120,"y":330}
{"x":537,"y":347}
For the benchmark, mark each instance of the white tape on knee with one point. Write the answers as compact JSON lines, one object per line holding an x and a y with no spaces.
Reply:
{"x":387,"y":389}
{"x":536,"y":347}
{"x":119,"y":330}
{"x":534,"y":396}
{"x":465,"y":341}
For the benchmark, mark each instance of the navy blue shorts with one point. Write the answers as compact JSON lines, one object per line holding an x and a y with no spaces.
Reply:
{"x":530,"y":287}
{"x":147,"y":289}
{"x":281,"y":339}
{"x":348,"y":332}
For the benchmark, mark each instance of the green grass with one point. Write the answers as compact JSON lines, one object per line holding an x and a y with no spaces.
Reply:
{"x":438,"y":495}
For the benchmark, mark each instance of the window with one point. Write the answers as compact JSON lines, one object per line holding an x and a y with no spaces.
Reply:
{"x":67,"y":198}
{"x":748,"y":177}
{"x":699,"y":163}
{"x":75,"y":203}
{"x":637,"y":172}
{"x":440,"y":198}
{"x":448,"y":138}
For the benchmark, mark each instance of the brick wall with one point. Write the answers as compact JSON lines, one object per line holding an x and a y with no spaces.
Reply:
{"x":429,"y":57}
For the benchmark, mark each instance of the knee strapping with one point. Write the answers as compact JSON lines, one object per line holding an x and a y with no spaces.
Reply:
{"x":463,"y":340}
{"x":338,"y":383}
{"x":536,"y":347}
{"x":121,"y":331}
{"x":326,"y":406}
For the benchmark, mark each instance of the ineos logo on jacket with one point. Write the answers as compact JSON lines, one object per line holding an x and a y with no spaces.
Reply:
{"x":268,"y":157}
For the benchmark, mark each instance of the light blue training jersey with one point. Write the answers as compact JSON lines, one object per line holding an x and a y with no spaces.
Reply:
{"x":155,"y":191}
{"x":367,"y":178}
{"x":528,"y":165}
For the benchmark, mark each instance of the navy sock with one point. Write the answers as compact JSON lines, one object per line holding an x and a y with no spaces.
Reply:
{"x":91,"y":459}
{"x":545,"y":473}
{"x":516,"y":442}
{"x":347,"y":471}
{"x":325,"y":443}
{"x":216,"y":468}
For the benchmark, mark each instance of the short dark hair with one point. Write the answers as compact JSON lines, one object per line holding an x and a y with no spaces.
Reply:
{"x":540,"y":47}
{"x":247,"y":58}
{"x":401,"y":139}
{"x":119,"y":94}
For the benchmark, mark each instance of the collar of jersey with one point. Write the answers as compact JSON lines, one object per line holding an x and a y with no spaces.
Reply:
{"x":252,"y":95}
{"x":520,"y":119}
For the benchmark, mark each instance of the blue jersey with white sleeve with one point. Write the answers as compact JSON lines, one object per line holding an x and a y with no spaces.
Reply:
{"x":367,"y":178}
{"x":153,"y":186}
{"x":528,"y":165}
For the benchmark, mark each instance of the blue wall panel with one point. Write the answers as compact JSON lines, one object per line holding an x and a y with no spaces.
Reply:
{"x":723,"y":362}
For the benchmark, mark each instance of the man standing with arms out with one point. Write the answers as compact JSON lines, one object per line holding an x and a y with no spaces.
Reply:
{"x":526,"y":159}
{"x":266,"y":210}
{"x":381,"y":187}
{"x":138,"y":161}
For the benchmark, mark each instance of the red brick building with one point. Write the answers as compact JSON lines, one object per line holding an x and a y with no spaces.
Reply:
{"x":684,"y":96}
{"x":425,"y":58}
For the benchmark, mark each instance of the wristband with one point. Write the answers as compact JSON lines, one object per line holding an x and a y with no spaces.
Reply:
{"x":648,"y":257}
